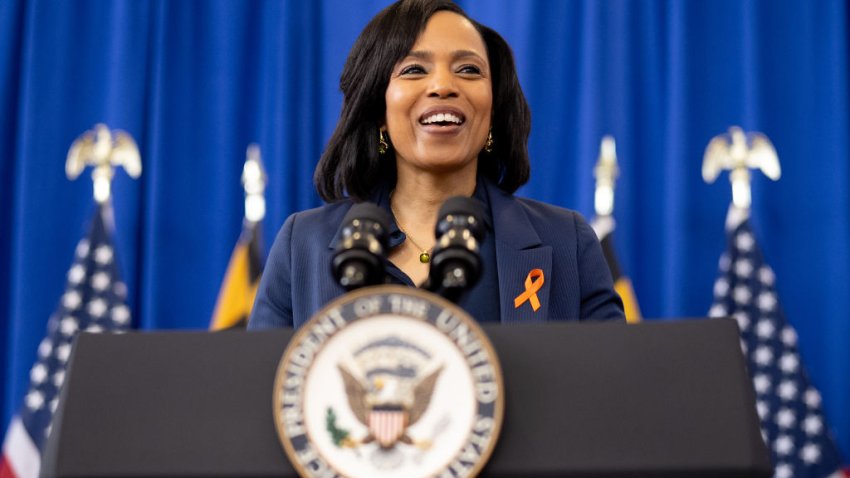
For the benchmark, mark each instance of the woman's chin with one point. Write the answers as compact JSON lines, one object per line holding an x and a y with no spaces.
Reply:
{"x":444,"y":164}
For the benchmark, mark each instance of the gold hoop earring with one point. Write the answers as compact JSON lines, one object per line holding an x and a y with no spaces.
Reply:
{"x":383,"y":147}
{"x":488,"y":146}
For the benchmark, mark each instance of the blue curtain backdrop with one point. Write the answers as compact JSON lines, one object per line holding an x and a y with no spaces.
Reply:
{"x":195,"y":82}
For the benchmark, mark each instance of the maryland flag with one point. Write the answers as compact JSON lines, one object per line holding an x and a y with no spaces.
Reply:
{"x":604,"y":227}
{"x":606,"y":172}
{"x":237,"y":293}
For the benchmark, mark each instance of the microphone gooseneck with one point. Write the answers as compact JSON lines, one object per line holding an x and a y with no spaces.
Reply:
{"x":456,"y":261}
{"x":360,"y":256}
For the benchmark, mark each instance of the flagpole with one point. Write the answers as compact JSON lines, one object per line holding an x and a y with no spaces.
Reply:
{"x":254,"y":180}
{"x":606,"y":172}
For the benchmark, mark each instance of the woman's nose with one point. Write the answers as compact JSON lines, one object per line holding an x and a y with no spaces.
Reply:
{"x":442,"y":84}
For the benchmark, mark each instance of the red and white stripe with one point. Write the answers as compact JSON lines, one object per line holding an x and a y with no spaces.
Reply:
{"x":21,"y":458}
{"x":387,"y":426}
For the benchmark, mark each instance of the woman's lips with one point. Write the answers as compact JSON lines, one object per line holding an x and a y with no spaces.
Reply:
{"x":441,"y":128}
{"x":442,"y":120}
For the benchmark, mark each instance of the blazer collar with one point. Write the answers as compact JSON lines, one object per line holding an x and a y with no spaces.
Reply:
{"x":510,"y":220}
{"x":335,"y":238}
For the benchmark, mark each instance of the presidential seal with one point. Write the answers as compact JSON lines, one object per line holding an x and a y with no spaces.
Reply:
{"x":389,"y":381}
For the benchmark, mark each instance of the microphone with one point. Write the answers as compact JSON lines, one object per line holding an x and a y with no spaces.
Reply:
{"x":360,"y":254}
{"x":456,"y":262}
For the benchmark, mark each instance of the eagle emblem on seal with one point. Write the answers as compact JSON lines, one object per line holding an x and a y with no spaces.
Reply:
{"x":391,"y":394}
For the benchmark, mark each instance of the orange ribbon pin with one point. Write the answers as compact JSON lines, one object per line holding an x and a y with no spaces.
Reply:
{"x":533,"y":283}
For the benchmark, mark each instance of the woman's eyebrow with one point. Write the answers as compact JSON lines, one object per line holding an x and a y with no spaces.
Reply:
{"x":420,"y":54}
{"x":457,"y":54}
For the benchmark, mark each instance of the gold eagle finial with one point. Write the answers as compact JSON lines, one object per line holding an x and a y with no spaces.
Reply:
{"x":739,"y":152}
{"x":104,"y":150}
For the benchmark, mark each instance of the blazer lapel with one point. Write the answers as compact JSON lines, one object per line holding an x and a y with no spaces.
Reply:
{"x":518,"y":252}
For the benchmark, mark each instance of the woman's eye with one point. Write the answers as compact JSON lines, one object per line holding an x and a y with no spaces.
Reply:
{"x":470,"y":69}
{"x":412,"y":70}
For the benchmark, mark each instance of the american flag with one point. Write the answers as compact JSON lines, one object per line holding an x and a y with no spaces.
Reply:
{"x":93,"y":301}
{"x":789,"y":407}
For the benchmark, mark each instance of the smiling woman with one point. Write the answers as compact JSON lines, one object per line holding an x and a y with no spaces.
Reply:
{"x":432,"y":108}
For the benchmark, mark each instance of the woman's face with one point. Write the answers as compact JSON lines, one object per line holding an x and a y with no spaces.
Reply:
{"x":440,"y":98}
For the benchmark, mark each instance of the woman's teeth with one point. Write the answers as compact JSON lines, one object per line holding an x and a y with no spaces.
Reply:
{"x":442,"y":118}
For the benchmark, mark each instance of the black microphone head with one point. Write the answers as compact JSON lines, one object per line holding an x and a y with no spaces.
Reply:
{"x":460,"y":211}
{"x":364,"y":213}
{"x":361,"y":251}
{"x":456,"y":262}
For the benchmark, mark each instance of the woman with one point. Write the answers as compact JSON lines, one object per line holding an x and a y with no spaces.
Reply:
{"x":432,"y":109}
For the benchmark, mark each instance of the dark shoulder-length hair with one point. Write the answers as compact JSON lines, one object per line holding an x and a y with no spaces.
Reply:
{"x":351,"y":166}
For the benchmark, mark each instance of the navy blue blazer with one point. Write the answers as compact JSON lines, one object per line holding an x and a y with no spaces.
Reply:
{"x":297,"y":280}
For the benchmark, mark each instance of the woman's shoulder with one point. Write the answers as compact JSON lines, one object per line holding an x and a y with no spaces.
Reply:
{"x":533,"y":220}
{"x":564,"y":229}
{"x":550,"y":215}
{"x":325,"y":210}
{"x":323,"y":218}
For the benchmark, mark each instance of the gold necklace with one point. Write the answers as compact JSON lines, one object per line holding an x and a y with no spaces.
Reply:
{"x":425,"y":255}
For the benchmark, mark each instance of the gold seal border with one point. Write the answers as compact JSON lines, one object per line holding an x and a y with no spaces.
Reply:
{"x":383,"y":290}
